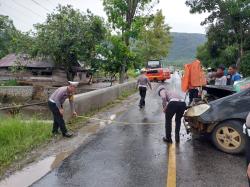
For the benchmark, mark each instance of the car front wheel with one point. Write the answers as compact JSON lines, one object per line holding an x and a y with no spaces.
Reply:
{"x":228,"y":137}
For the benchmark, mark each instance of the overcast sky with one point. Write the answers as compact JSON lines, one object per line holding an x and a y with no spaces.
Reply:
{"x":25,"y":13}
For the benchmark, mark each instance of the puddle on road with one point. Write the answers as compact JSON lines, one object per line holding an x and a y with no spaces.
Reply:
{"x":29,"y":175}
{"x":59,"y":158}
{"x":34,"y":172}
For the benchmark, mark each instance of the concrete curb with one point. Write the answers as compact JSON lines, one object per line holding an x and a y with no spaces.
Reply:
{"x":96,"y":99}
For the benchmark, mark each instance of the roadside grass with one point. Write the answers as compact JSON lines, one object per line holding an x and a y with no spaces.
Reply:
{"x":9,"y":83}
{"x":126,"y":94}
{"x":18,"y":137}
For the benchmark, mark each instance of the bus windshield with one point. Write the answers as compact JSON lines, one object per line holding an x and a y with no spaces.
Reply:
{"x":154,"y":64}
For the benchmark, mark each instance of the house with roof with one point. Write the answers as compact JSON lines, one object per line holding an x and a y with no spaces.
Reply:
{"x":31,"y":71}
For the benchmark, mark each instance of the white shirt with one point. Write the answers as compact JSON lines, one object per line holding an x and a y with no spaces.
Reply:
{"x":221,"y":81}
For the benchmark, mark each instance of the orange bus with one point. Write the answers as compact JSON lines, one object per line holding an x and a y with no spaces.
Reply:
{"x":155,"y":72}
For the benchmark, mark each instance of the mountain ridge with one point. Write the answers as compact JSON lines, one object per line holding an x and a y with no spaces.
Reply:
{"x":183,"y":47}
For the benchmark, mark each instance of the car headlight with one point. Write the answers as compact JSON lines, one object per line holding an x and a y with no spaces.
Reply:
{"x":197,"y":110}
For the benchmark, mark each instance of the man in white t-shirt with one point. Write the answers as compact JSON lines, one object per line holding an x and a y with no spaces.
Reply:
{"x":220,"y":79}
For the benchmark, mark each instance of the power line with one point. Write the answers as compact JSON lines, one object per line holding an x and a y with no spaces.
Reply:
{"x":41,"y":5}
{"x":11,"y":7}
{"x":18,"y":18}
{"x":21,"y":5}
{"x":50,"y":3}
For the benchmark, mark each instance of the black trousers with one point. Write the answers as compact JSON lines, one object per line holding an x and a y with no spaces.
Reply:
{"x":58,"y":119}
{"x":142,"y":91}
{"x":193,"y":93}
{"x":176,"y":108}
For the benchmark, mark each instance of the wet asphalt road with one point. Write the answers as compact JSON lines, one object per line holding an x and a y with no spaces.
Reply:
{"x":134,"y":155}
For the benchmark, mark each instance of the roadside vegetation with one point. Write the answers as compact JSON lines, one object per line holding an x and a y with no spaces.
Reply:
{"x":18,"y":137}
{"x":132,"y":35}
{"x":228,"y":37}
{"x":9,"y":83}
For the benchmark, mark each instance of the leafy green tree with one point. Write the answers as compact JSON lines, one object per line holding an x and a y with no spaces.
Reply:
{"x":204,"y":55}
{"x":154,"y":40}
{"x":11,"y":39}
{"x":228,"y":24}
{"x":7,"y":32}
{"x":68,"y":36}
{"x":112,"y":52}
{"x":229,"y":55}
{"x":23,"y":42}
{"x":128,"y":17}
{"x":245,"y":65}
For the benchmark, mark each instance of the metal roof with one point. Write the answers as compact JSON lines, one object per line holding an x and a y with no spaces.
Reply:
{"x":23,"y":60}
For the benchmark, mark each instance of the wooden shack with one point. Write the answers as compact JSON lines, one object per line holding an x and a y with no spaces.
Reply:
{"x":36,"y":71}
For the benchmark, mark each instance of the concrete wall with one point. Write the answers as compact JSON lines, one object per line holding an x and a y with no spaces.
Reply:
{"x":16,"y":91}
{"x":97,"y":99}
{"x":22,"y":92}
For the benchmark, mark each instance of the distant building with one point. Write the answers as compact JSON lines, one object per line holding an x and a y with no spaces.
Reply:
{"x":37,"y":71}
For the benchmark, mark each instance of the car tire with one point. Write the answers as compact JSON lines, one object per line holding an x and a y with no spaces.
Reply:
{"x":228,"y":137}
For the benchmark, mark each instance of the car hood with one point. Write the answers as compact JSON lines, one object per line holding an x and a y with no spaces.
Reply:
{"x":235,"y":106}
{"x":219,"y":91}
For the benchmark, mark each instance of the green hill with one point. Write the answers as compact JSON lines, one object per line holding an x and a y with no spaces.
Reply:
{"x":184,"y":47}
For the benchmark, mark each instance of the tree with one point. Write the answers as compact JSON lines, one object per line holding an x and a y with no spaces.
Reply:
{"x":13,"y":40}
{"x":113,"y":51}
{"x":231,"y":17}
{"x":203,"y":55}
{"x":245,"y":66}
{"x":7,"y":33}
{"x":127,"y":17}
{"x":154,"y":40}
{"x":68,"y":36}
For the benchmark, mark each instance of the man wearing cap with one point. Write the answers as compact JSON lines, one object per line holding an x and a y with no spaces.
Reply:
{"x":142,"y":84}
{"x":55,"y":103}
{"x":172,"y":104}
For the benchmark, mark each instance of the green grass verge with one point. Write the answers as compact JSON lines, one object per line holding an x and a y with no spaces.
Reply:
{"x":18,"y":137}
{"x":126,"y":94}
{"x":9,"y":83}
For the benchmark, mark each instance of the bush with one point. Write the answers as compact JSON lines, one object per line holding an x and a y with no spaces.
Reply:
{"x":133,"y":73}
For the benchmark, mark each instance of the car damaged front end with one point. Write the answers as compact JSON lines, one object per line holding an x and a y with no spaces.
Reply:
{"x":222,"y":119}
{"x":193,"y":119}
{"x":202,"y":118}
